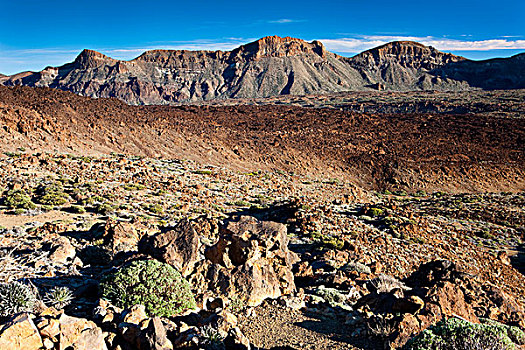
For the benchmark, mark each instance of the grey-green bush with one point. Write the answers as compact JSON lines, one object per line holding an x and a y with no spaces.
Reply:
{"x":156,"y":285}
{"x":457,"y":334}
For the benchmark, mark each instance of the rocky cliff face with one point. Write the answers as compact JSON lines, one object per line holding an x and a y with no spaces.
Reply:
{"x":268,"y":67}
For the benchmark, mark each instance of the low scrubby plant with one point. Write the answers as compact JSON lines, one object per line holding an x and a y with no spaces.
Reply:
{"x":15,"y":297}
{"x":59,"y":297}
{"x":52,"y":194}
{"x":358,"y":267}
{"x":203,"y":172}
{"x":133,"y":187}
{"x":212,"y":338}
{"x":18,"y":199}
{"x":77,"y":209}
{"x":332,"y":242}
{"x":458,"y":334}
{"x":46,"y":207}
{"x":386,"y":283}
{"x":375,"y":212}
{"x":156,"y":285}
{"x":155,"y":208}
{"x":104,"y":208}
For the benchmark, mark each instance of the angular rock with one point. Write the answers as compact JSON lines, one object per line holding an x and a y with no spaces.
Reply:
{"x":411,"y":305}
{"x":77,"y":333}
{"x":20,"y":333}
{"x":178,"y":247}
{"x":251,"y":262}
{"x":62,"y":250}
{"x":90,"y":338}
{"x":154,"y":336}
{"x":135,"y":315}
{"x":120,"y":237}
{"x":49,"y":328}
{"x":407,"y":327}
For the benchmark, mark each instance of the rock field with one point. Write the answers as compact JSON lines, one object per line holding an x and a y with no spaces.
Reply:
{"x":241,"y":244}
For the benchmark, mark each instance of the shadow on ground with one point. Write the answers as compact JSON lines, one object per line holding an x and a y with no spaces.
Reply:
{"x":337,"y":331}
{"x":518,"y":260}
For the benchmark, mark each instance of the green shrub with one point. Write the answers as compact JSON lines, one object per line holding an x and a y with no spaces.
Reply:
{"x":133,"y":187}
{"x":77,"y":209}
{"x":155,"y":208}
{"x":51,"y":194}
{"x":331,"y":242}
{"x":104,"y":208}
{"x":46,"y":207}
{"x":375,"y":212}
{"x":457,"y":334}
{"x":15,"y":297}
{"x":203,"y":172}
{"x":358,"y":267}
{"x":18,"y":199}
{"x":156,"y":285}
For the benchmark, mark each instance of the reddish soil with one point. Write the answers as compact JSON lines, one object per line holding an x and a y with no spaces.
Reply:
{"x":380,"y":151}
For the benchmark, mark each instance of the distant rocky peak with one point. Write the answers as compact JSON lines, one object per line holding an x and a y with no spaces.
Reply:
{"x":275,"y":46}
{"x":404,"y":54}
{"x":410,"y":48}
{"x":90,"y":59}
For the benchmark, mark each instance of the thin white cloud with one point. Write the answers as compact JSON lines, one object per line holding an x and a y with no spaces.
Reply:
{"x":365,"y":42}
{"x":285,"y":21}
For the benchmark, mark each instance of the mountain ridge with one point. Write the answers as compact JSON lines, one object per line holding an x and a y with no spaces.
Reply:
{"x":268,"y":67}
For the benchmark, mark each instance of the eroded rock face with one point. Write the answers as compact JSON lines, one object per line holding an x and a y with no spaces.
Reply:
{"x":268,"y":67}
{"x":250,"y":261}
{"x":20,"y":333}
{"x":120,"y":237}
{"x":178,"y":247}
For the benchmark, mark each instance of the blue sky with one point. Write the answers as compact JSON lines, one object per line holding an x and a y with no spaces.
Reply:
{"x":35,"y":34}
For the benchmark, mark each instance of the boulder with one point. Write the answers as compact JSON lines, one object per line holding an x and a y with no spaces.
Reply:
{"x":451,"y":301}
{"x":20,"y":333}
{"x":120,"y":237}
{"x":250,"y":261}
{"x":79,"y":333}
{"x":178,"y":247}
{"x":62,"y":250}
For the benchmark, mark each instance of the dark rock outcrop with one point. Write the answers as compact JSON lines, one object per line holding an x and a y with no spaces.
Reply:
{"x":268,"y":67}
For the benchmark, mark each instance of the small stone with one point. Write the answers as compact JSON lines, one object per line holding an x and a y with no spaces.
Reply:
{"x":48,"y":344}
{"x":504,"y":258}
{"x":135,"y":315}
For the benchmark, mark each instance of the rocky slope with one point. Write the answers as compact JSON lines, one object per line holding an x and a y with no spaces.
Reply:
{"x":268,"y":67}
{"x":395,"y":151}
{"x":274,"y":260}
